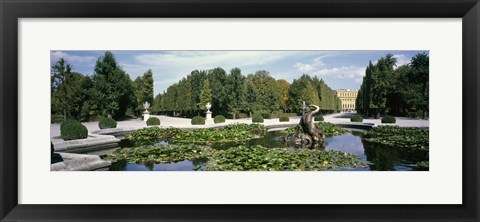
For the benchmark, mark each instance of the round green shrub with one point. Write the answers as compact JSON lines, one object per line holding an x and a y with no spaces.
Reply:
{"x":284,"y":119}
{"x":356,"y":118}
{"x":73,"y":130}
{"x":388,"y":119}
{"x":219,"y":119}
{"x":66,"y":122}
{"x":107,"y":123}
{"x":257,"y":118}
{"x":198,"y":120}
{"x":153,"y":121}
{"x":318,"y":118}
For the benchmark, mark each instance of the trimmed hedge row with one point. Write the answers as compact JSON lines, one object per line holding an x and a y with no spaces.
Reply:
{"x":257,"y":118}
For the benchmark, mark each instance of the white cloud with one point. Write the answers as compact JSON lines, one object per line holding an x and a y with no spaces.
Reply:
{"x":306,"y":68}
{"x":169,"y":67}
{"x":318,"y":68}
{"x":343,"y":72}
{"x":401,"y":59}
{"x":56,"y":55}
{"x":211,"y":59}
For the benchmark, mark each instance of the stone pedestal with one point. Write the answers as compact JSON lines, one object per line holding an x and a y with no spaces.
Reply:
{"x":208,"y":118}
{"x":209,"y":115}
{"x":146,"y":116}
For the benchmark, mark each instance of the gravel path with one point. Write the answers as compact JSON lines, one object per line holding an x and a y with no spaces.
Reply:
{"x":167,"y":121}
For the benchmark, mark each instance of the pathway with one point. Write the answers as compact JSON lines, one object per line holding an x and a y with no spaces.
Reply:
{"x":167,"y":121}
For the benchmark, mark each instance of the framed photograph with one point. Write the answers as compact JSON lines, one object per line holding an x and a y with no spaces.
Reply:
{"x":226,"y":110}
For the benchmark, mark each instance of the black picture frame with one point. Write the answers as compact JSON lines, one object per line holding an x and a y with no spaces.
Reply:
{"x":11,"y":11}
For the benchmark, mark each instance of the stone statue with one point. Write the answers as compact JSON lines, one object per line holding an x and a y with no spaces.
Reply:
{"x":307,"y":131}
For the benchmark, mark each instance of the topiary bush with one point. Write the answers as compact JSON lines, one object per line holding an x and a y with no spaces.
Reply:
{"x":66,"y":122}
{"x":219,"y":119}
{"x":198,"y":120}
{"x":107,"y":123}
{"x":153,"y":121}
{"x":388,"y":119}
{"x":318,"y":118}
{"x":356,"y":118}
{"x":257,"y":118}
{"x":284,"y":119}
{"x":73,"y":130}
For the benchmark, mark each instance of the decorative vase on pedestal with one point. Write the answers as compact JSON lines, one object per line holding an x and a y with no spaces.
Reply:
{"x":208,"y":117}
{"x":146,"y":114}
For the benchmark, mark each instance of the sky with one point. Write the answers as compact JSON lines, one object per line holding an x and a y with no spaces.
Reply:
{"x":339,"y":69}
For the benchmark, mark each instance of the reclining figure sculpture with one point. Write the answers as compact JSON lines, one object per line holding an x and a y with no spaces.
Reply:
{"x":307,"y":131}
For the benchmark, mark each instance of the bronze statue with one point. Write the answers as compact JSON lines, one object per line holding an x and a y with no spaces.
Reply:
{"x":307,"y":131}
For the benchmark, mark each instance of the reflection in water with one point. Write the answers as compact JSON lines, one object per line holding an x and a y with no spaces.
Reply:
{"x":388,"y":158}
{"x":185,"y":165}
{"x":380,"y":158}
{"x":347,"y":143}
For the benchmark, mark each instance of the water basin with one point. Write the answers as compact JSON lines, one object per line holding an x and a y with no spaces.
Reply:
{"x":379,"y":158}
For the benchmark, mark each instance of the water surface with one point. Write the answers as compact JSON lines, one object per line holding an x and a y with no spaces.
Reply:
{"x":379,"y":158}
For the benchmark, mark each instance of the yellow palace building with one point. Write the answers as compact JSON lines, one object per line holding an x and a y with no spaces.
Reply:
{"x":347,"y":98}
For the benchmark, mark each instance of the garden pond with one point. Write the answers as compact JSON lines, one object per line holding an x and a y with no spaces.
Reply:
{"x":344,"y":150}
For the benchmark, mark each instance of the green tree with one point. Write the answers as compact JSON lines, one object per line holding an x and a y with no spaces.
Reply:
{"x":250,"y":95}
{"x":396,"y":91}
{"x":170,"y":99}
{"x":266,"y":92}
{"x":60,"y":78}
{"x":197,"y":79}
{"x":143,"y":89}
{"x":302,"y":90}
{"x":284,"y":86}
{"x":382,"y":75}
{"x":205,"y":95}
{"x":420,"y":74}
{"x":114,"y":86}
{"x":90,"y":108}
{"x":235,"y":92}
{"x":185,"y":97}
{"x":217,"y":78}
{"x":157,"y":104}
